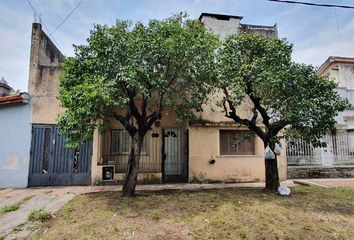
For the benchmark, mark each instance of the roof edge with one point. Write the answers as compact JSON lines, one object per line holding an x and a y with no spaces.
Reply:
{"x":23,"y":97}
{"x":274,"y":27}
{"x":334,"y":59}
{"x":219,"y":16}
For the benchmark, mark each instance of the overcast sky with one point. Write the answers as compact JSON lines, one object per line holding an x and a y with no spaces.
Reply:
{"x":315,"y":32}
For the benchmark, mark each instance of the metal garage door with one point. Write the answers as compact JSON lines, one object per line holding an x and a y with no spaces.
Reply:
{"x":52,"y":164}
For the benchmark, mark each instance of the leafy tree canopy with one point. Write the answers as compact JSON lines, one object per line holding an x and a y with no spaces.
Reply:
{"x":138,"y":70}
{"x":283,"y":93}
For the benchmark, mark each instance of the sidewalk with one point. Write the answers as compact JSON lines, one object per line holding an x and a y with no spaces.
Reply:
{"x":327,"y":182}
{"x":24,"y":192}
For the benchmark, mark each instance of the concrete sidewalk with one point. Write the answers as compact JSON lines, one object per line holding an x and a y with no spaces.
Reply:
{"x":15,"y":224}
{"x":327,"y":182}
{"x":24,"y":192}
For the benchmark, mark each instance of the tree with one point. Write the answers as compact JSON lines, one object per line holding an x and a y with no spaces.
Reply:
{"x":285,"y":96}
{"x":132,"y":74}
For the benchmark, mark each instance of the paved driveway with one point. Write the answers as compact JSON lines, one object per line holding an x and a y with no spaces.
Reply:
{"x":14,"y":225}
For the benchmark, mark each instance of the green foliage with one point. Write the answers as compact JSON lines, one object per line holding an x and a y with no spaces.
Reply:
{"x":284,"y":94}
{"x":9,"y":208}
{"x":124,"y":64}
{"x":156,"y":215}
{"x":15,"y":206}
{"x":40,"y":215}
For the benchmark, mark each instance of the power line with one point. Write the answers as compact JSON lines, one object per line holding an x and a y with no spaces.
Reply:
{"x":36,"y":13}
{"x":42,"y":22}
{"x":314,"y":4}
{"x":63,"y":21}
{"x":338,"y":29}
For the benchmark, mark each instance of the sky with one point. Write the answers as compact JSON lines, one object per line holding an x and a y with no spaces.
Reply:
{"x":316,"y":32}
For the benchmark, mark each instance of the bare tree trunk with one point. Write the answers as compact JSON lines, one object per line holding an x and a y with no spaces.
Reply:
{"x":133,"y":166}
{"x":271,"y":170}
{"x":271,"y":174}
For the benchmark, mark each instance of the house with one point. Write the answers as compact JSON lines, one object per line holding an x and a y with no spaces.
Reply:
{"x":15,"y":136}
{"x":337,"y":158}
{"x":51,"y":163}
{"x":173,"y":151}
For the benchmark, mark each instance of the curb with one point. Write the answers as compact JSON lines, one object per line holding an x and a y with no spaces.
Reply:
{"x":309,"y":183}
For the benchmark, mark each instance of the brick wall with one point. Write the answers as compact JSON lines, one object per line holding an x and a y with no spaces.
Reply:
{"x":320,"y":172}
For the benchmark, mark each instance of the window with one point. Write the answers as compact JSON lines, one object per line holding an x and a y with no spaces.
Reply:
{"x":233,"y":142}
{"x":120,"y":142}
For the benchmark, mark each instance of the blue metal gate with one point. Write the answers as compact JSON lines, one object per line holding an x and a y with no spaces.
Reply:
{"x":52,"y":164}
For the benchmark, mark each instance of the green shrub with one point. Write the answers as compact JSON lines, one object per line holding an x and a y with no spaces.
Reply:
{"x":9,"y":208}
{"x":14,"y":207}
{"x":41,"y":215}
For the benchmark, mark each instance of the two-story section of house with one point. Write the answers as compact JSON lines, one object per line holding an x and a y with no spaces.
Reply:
{"x":212,"y":154}
{"x":341,"y":71}
{"x":173,"y":151}
{"x":199,"y":151}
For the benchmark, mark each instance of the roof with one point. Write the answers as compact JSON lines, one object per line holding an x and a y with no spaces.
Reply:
{"x":20,"y":98}
{"x":261,"y":27}
{"x":334,"y":59}
{"x":219,"y":16}
{"x":4,"y":84}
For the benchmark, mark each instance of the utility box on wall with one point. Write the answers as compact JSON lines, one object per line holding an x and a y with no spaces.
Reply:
{"x":107,"y":173}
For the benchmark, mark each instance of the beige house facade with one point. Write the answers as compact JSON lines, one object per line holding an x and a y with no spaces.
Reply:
{"x":173,"y":151}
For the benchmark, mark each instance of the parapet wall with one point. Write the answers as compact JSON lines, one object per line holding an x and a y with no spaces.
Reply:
{"x":44,"y":73}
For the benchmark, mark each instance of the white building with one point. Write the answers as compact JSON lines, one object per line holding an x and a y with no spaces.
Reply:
{"x":337,"y":158}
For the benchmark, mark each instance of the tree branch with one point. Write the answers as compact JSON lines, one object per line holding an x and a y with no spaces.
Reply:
{"x":276,"y":127}
{"x":255,"y":115}
{"x":143,"y":107}
{"x":134,"y":110}
{"x":256,"y":101}
{"x":124,"y":120}
{"x":157,"y":114}
{"x":250,"y":124}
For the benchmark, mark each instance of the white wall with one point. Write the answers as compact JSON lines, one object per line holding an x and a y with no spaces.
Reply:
{"x":346,"y":75}
{"x":15,"y":142}
{"x":223,"y":28}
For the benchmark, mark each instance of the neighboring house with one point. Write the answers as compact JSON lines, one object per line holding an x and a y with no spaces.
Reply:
{"x":50,"y":162}
{"x":172,"y":152}
{"x":15,"y":137}
{"x":337,"y":158}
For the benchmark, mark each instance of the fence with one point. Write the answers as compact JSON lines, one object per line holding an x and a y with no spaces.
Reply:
{"x":117,"y":146}
{"x":339,"y":150}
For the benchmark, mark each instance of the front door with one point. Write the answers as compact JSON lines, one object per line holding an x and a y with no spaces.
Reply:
{"x":327,"y":152}
{"x":51,"y":163}
{"x":174,"y":162}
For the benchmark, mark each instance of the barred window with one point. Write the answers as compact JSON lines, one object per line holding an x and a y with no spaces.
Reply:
{"x":120,"y":142}
{"x":234,"y":142}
